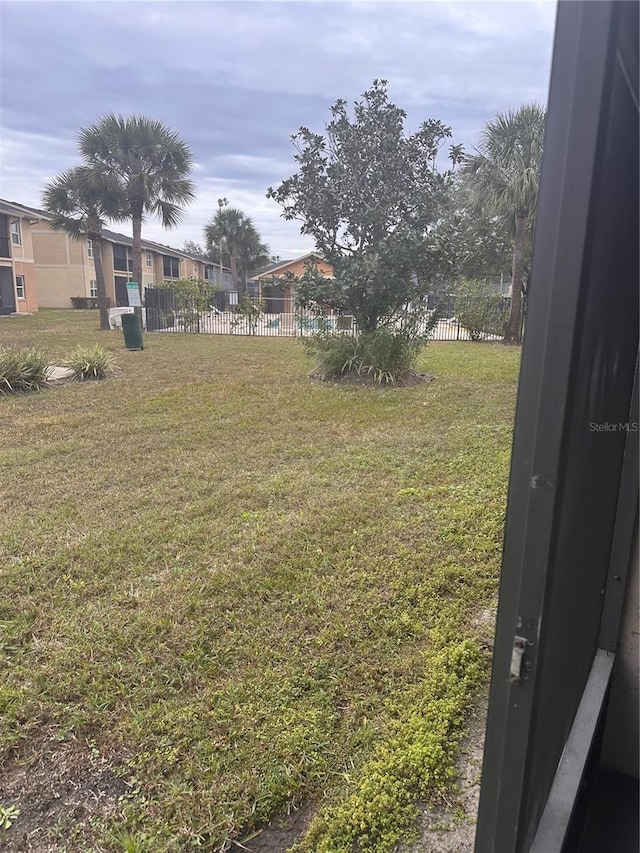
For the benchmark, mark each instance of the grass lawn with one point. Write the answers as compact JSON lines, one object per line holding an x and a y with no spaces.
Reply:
{"x":228,"y":589}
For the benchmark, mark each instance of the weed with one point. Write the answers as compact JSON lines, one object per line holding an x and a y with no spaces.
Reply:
{"x":8,"y":815}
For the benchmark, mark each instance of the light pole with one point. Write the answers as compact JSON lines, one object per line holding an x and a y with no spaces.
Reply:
{"x":222,"y":203}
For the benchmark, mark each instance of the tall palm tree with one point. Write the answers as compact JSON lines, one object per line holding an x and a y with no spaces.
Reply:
{"x":152,"y":165}
{"x":504,"y":177}
{"x":80,"y":202}
{"x":234,"y":234}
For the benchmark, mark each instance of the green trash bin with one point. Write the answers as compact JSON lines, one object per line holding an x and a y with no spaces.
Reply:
{"x":132,"y":329}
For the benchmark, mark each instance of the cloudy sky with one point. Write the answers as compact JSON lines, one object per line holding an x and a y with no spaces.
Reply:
{"x":238,"y":78}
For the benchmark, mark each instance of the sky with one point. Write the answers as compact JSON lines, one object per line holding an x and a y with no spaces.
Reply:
{"x":237,"y":79}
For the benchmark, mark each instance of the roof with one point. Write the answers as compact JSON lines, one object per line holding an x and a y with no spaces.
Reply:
{"x":13,"y":208}
{"x":273,"y":268}
{"x":116,"y":237}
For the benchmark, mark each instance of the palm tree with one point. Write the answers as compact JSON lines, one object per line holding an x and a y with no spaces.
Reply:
{"x":504,"y":177}
{"x":80,"y":201}
{"x":235,"y":235}
{"x":150,"y":162}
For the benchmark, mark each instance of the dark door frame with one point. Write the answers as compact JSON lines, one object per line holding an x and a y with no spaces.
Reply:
{"x":573,"y":491}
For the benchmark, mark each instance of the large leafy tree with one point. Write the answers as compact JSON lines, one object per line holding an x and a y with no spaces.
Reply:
{"x":472,"y":243}
{"x":80,"y":202}
{"x":234,"y":234}
{"x":368,"y":194}
{"x":504,"y":177}
{"x":151,"y":164}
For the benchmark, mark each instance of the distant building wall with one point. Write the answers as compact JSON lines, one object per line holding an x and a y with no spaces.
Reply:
{"x":63,"y":268}
{"x":23,"y":266}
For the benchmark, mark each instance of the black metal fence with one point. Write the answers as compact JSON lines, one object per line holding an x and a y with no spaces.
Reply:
{"x":225,"y":313}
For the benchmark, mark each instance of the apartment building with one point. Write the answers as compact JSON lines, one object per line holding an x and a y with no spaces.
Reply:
{"x":18,"y":292}
{"x":62,"y":268}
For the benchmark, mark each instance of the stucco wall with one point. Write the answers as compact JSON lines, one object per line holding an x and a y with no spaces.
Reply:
{"x":62,"y":267}
{"x":25,"y":250}
{"x":27,"y":270}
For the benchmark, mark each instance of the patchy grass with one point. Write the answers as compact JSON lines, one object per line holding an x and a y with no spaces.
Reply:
{"x":239,"y":590}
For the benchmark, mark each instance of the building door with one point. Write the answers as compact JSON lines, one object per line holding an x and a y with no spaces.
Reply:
{"x":7,"y":294}
{"x":122,"y":297}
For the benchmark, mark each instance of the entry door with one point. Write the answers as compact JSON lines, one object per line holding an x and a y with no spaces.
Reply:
{"x":7,"y":296}
{"x":122,"y":297}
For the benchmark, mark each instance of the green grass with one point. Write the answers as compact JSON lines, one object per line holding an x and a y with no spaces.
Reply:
{"x":248,"y":589}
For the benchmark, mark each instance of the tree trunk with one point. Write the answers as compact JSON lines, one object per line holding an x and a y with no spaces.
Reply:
{"x":512,"y":335}
{"x":101,"y":287}
{"x":234,"y":274}
{"x":136,"y":249}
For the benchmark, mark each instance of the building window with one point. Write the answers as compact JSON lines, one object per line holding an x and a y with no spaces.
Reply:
{"x":20,"y":292}
{"x":16,"y":236}
{"x":149,"y":258}
{"x":122,"y":258}
{"x":89,"y":248}
{"x":93,"y":288}
{"x":170,"y":267}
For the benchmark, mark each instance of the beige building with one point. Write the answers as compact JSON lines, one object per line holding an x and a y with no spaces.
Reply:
{"x":62,"y":268}
{"x":18,"y":293}
{"x":275,"y":287}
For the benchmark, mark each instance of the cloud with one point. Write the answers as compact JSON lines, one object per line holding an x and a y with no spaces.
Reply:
{"x":236,"y":79}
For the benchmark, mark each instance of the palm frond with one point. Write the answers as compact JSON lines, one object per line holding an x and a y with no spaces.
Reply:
{"x":168,"y":213}
{"x":80,"y":201}
{"x":504,"y":174}
{"x":149,"y":162}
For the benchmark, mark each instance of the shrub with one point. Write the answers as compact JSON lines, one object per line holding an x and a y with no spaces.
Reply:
{"x":388,"y":356}
{"x":90,"y":363}
{"x":480,"y":312}
{"x":22,"y":370}
{"x":189,"y":299}
{"x":247,"y":313}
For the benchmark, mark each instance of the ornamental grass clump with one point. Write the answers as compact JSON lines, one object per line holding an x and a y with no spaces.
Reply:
{"x":386,"y":357}
{"x":22,"y":370}
{"x":90,"y":363}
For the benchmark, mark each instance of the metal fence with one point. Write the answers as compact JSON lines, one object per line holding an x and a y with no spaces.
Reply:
{"x":227,"y":314}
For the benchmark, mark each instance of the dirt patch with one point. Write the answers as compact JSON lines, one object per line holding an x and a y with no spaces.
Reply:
{"x":58,"y":794}
{"x":408,"y":380}
{"x":280,"y":834}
